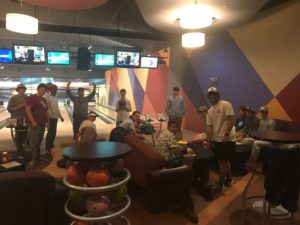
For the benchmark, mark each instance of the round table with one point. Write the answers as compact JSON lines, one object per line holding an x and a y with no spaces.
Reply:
{"x":278,"y":139}
{"x":96,"y":151}
{"x":276,"y":136}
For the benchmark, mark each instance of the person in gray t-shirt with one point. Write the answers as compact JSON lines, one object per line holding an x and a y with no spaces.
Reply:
{"x":16,"y":107}
{"x":80,"y":106}
{"x":265,"y":124}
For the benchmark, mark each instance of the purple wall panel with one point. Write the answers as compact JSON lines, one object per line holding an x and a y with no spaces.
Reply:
{"x":113,"y":90}
{"x":181,"y":68}
{"x":238,"y":82}
{"x":137,"y":90}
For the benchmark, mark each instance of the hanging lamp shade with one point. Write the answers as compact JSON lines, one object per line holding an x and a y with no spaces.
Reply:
{"x":22,"y":23}
{"x":196,"y":17}
{"x":193,"y":40}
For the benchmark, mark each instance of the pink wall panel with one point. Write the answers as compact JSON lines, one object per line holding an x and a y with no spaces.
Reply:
{"x":156,"y":89}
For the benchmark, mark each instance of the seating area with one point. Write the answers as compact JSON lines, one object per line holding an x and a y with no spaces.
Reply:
{"x":158,"y":189}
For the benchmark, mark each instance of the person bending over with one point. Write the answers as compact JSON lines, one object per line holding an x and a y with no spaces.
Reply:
{"x":88,"y":123}
{"x":132,"y":124}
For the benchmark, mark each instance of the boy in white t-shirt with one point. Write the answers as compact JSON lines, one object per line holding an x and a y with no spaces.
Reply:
{"x":221,"y":134}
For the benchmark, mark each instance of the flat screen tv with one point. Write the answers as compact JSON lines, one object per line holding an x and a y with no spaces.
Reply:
{"x":29,"y":54}
{"x":104,"y":59}
{"x":6,"y":55}
{"x":58,"y":58}
{"x":128,"y":58}
{"x":149,"y":62}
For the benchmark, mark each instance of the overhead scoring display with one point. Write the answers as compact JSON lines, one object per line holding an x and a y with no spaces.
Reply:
{"x":35,"y":54}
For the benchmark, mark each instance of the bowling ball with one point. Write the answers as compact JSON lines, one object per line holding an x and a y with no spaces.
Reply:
{"x":78,"y":200}
{"x":97,"y":205}
{"x":97,"y":176}
{"x":120,"y":194}
{"x":81,"y":223}
{"x":76,"y":174}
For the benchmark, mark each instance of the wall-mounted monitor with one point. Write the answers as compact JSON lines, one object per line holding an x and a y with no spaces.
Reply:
{"x":149,"y":62}
{"x":6,"y":55}
{"x":58,"y":58}
{"x":104,"y":59}
{"x":128,"y":58}
{"x":29,"y":54}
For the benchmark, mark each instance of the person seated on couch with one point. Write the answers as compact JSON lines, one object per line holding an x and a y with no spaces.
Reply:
{"x":169,"y":148}
{"x":132,"y":124}
{"x":167,"y":145}
{"x":265,"y":124}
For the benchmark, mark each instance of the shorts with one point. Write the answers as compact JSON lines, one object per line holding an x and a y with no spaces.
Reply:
{"x":224,"y":150}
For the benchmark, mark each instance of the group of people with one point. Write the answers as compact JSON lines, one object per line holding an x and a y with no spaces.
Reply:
{"x":39,"y":111}
{"x":222,"y":131}
{"x":36,"y":112}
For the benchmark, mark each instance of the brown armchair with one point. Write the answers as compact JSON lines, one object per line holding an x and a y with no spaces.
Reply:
{"x":164,"y":187}
{"x":30,"y":198}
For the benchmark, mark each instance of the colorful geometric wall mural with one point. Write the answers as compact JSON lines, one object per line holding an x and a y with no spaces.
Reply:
{"x":146,"y":88}
{"x":249,"y":65}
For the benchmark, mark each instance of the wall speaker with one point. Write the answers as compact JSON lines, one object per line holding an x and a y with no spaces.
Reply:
{"x":83,"y":59}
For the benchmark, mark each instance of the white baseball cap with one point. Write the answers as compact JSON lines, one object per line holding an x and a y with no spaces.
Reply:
{"x":212,"y":89}
{"x":92,"y":114}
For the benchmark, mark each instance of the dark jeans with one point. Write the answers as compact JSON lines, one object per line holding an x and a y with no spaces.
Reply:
{"x":282,"y":181}
{"x":77,"y":120}
{"x":51,"y":134}
{"x":201,"y":164}
{"x":20,"y":138}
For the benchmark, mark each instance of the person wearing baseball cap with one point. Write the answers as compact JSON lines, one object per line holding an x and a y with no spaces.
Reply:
{"x":251,"y":124}
{"x":265,"y":124}
{"x":16,"y":107}
{"x":220,"y":132}
{"x":88,"y":123}
{"x":80,"y":106}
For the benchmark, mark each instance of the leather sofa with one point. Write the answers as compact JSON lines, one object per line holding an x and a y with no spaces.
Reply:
{"x":31,"y":198}
{"x":164,"y":188}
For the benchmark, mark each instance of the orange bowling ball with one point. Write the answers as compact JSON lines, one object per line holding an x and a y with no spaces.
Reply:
{"x":76,"y":174}
{"x":97,"y":177}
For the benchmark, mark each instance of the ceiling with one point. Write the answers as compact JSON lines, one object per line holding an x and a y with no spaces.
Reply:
{"x":147,"y":25}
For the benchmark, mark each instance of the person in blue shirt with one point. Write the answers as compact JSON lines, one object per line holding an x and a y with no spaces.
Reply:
{"x":175,"y":107}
